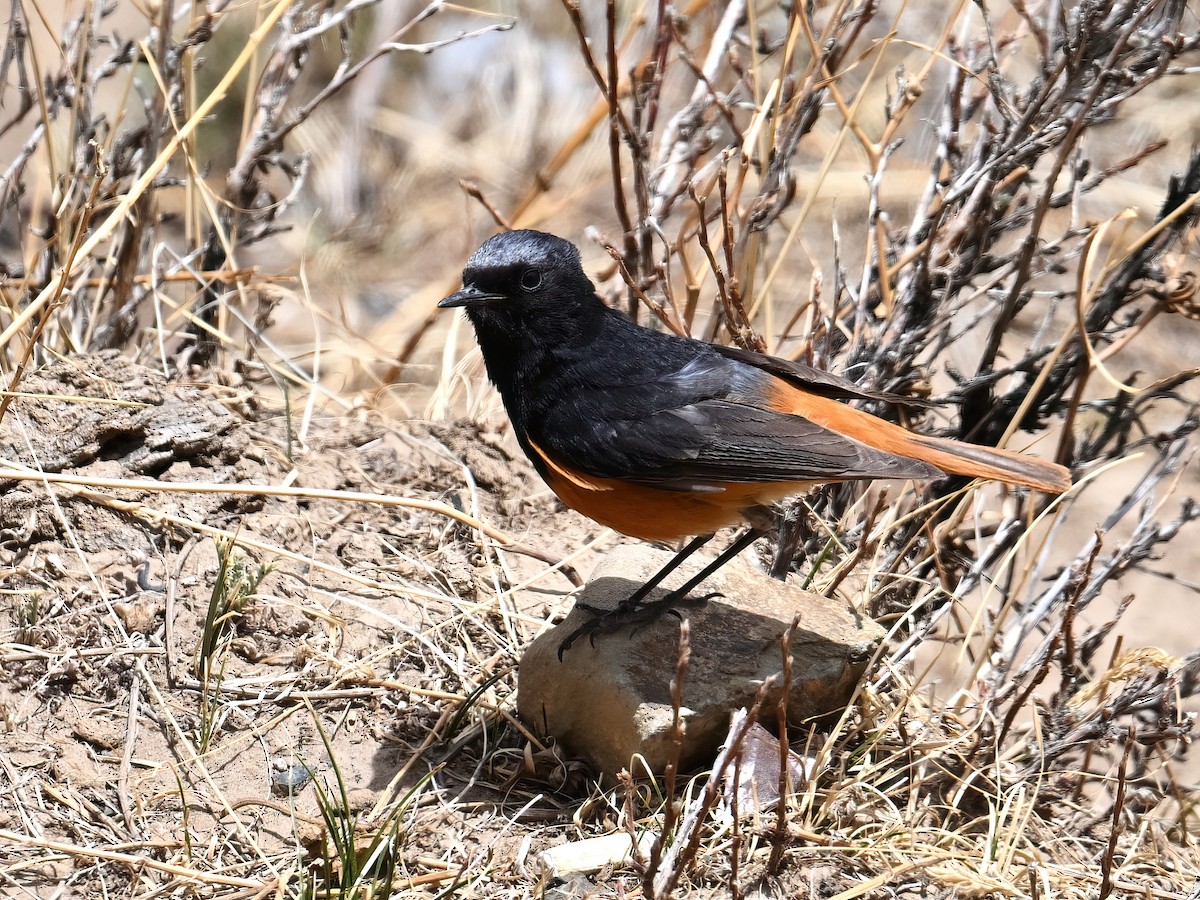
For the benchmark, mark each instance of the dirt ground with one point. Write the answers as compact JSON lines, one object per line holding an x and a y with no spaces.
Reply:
{"x":373,"y":662}
{"x":380,"y":617}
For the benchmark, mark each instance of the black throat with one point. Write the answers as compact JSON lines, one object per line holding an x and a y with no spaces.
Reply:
{"x":522,"y":351}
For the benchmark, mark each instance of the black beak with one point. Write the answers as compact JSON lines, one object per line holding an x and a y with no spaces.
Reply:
{"x":469,"y":296}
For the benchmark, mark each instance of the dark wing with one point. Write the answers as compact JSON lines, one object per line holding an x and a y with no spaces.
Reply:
{"x":697,"y":427}
{"x":825,"y":383}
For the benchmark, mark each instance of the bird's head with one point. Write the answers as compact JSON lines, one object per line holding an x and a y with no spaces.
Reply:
{"x":525,"y":283}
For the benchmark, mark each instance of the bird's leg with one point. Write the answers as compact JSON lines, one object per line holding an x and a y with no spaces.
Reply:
{"x":744,"y":540}
{"x":633,"y":610}
{"x":674,"y":563}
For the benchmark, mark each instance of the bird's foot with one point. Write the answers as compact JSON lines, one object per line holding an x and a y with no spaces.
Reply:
{"x":636,"y":615}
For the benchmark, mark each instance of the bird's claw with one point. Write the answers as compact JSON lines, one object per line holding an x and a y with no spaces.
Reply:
{"x":636,"y":615}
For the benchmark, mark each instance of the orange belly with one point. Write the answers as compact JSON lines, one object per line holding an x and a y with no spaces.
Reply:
{"x":657,"y":515}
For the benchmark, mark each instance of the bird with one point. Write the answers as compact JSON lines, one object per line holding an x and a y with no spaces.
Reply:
{"x":663,"y":437}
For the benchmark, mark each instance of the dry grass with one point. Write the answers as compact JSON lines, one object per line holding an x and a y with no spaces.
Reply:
{"x":995,"y":211}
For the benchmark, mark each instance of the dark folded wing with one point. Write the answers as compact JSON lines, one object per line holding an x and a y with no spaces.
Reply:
{"x":697,"y":428}
{"x":825,"y":383}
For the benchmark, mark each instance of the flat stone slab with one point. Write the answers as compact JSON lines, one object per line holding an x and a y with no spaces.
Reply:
{"x":607,"y":702}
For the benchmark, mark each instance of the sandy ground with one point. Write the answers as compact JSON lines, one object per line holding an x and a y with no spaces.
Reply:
{"x":371,"y":655}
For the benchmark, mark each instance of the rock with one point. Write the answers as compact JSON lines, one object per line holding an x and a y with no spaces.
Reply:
{"x":612,"y":700}
{"x":593,"y":854}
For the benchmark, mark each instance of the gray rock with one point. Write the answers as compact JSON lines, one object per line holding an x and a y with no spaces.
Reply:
{"x":612,"y":700}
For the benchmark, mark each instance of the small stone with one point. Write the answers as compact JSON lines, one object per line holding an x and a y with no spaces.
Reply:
{"x":610,"y":701}
{"x":287,"y":779}
{"x":593,"y":854}
{"x":138,"y":617}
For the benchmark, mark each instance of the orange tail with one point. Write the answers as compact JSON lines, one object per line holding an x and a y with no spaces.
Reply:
{"x":958,"y":458}
{"x":952,"y":457}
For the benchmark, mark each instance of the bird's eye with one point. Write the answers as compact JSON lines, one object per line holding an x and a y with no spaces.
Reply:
{"x":531,"y":279}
